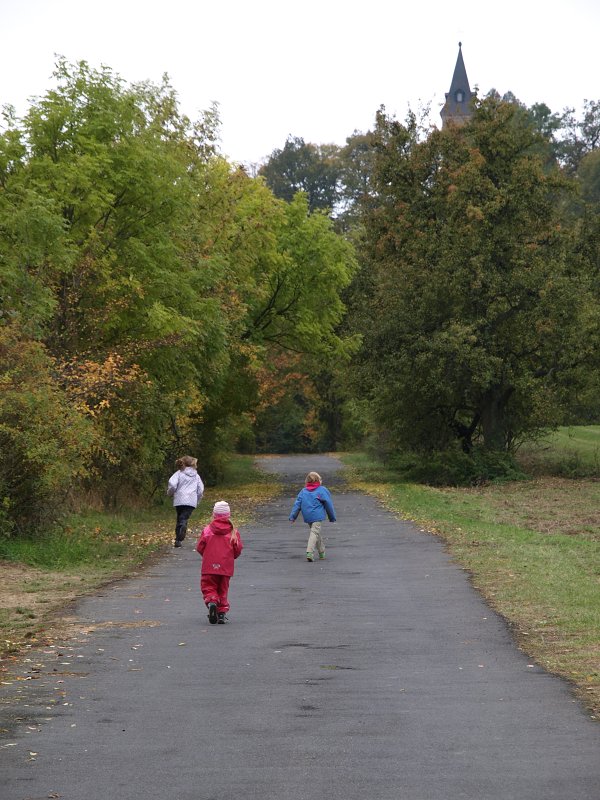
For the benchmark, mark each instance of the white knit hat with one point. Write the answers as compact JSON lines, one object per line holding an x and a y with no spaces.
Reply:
{"x":221,"y":509}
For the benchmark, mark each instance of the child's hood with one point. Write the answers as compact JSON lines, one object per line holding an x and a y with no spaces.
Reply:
{"x":312,"y":486}
{"x":220,"y":527}
{"x":190,"y":472}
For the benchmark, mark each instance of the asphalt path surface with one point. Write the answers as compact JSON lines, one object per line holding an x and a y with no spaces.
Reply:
{"x":378,"y":672}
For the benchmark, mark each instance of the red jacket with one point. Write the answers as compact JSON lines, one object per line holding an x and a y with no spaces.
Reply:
{"x":217,"y":549}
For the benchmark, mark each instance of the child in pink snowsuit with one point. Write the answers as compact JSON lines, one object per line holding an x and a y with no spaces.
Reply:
{"x":219,"y":545}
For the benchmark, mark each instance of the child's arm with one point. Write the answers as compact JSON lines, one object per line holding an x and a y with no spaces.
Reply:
{"x":328,"y":503}
{"x":296,"y":508}
{"x":173,"y":481}
{"x":200,"y":488}
{"x":201,"y":546}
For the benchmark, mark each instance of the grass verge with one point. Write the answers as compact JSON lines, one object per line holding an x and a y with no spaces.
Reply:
{"x":570,"y":452}
{"x":41,"y":576}
{"x":532,"y":549}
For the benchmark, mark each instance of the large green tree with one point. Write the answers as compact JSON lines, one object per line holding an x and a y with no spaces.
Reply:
{"x":304,"y":167}
{"x":281,"y":273}
{"x":479,"y":316}
{"x":99,"y":180}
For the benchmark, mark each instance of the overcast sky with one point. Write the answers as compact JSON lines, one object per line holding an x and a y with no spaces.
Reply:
{"x":319,"y":69}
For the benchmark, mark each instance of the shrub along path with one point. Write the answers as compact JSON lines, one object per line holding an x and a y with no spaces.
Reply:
{"x":378,"y":672}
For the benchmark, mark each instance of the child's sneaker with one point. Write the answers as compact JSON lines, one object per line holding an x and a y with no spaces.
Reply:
{"x":212,"y":613}
{"x":310,"y":557}
{"x":321,"y":556}
{"x":222,"y":619}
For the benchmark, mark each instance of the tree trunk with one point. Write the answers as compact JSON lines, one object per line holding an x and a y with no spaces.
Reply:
{"x":493,"y":418}
{"x":465,"y":433}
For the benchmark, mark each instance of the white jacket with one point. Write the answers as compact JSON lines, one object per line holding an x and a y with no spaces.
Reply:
{"x":185,"y":487}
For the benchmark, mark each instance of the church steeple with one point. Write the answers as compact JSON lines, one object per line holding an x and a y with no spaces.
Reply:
{"x":457,"y":108}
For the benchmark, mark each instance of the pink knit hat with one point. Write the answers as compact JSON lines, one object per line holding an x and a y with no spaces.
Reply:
{"x":221,"y":509}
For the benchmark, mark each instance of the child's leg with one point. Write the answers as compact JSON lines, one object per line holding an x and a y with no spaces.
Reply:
{"x":314,"y":537}
{"x":223,"y":590}
{"x":183,"y":515}
{"x":210,"y":588}
{"x":320,"y":543}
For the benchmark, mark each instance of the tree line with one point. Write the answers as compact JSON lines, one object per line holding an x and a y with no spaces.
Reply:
{"x":420,"y":290}
{"x":148,"y":291}
{"x":476,"y":298}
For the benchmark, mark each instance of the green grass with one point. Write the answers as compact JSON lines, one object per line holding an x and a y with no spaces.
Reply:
{"x":513,"y":540}
{"x":570,"y":452}
{"x":89,"y":539}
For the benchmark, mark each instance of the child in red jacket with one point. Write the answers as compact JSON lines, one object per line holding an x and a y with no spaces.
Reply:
{"x":219,"y":545}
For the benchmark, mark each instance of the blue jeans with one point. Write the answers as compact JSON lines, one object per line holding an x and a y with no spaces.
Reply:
{"x":183,"y":515}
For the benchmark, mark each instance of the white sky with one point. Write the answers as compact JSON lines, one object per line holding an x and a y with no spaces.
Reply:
{"x":312,"y":68}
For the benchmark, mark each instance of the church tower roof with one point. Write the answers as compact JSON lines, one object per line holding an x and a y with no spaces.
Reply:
{"x":457,"y":108}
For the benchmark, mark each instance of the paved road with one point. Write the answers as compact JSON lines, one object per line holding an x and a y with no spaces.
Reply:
{"x":377,"y":673}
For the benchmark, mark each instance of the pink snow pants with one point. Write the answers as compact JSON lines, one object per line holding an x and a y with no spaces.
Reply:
{"x":214,"y":589}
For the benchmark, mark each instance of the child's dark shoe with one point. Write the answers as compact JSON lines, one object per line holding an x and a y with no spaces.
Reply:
{"x":212,"y":613}
{"x":310,"y":557}
{"x":221,"y":618}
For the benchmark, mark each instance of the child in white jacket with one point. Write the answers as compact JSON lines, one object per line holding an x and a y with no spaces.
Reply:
{"x":186,"y":489}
